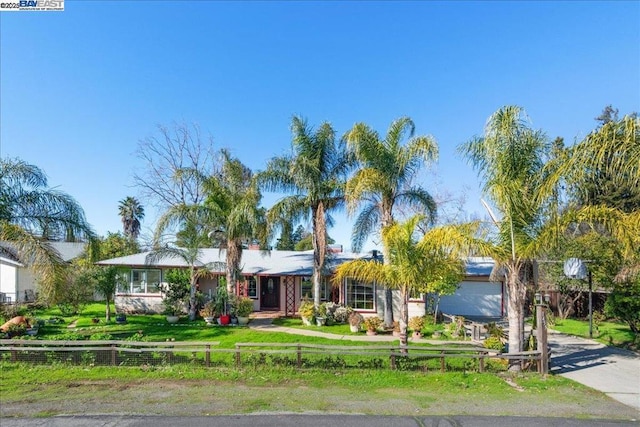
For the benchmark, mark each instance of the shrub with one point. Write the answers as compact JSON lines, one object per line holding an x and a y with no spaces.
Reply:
{"x":307,"y":309}
{"x":14,"y":330}
{"x":322,"y":310}
{"x":209,"y":309}
{"x":101,"y":336}
{"x":494,"y":343}
{"x":342,"y":314}
{"x":372,"y":323}
{"x":416,"y":323}
{"x":244,"y":306}
{"x":494,"y":330}
{"x":624,"y":304}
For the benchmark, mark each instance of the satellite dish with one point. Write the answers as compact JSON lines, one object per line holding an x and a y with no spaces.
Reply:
{"x":575,"y":268}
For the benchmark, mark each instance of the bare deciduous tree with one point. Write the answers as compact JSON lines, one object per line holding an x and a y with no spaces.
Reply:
{"x":165,"y":156}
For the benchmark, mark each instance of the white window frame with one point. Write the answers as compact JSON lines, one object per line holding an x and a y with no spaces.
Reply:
{"x":360,"y":300}
{"x":252,"y":293}
{"x":141,"y":286}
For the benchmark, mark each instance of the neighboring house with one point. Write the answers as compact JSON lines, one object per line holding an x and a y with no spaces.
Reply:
{"x":17,"y":281}
{"x":279,"y":280}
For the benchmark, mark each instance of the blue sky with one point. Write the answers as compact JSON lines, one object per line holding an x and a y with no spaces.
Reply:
{"x":80,"y":88}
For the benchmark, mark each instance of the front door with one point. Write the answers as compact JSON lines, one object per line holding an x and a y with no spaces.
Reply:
{"x":270,"y":293}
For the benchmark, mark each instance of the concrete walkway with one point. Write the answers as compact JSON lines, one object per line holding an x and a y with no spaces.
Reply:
{"x":266,"y":324}
{"x":613,"y":371}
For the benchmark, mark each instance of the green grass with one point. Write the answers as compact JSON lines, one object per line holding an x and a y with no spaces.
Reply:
{"x":57,"y":388}
{"x":28,"y":390}
{"x":609,"y":333}
{"x":156,"y":328}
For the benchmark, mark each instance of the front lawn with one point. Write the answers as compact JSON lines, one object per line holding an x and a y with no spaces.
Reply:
{"x":154,"y":327}
{"x":609,"y":333}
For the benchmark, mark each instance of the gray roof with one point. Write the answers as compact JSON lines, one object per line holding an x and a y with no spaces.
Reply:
{"x":479,"y":266}
{"x":271,"y":263}
{"x":67,"y":250}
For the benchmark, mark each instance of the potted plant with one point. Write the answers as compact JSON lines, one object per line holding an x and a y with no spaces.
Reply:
{"x":321,"y":315}
{"x":172,"y":310}
{"x":222,"y":305}
{"x":341,"y":314}
{"x":307,"y":311}
{"x":372,"y":324}
{"x":416,"y":323}
{"x":208,"y":312}
{"x":355,"y":321}
{"x":121,"y":318}
{"x":244,"y":309}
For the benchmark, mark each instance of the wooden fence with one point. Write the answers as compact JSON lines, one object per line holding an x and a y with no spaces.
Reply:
{"x":115,"y":353}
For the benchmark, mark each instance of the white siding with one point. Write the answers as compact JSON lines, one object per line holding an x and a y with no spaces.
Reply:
{"x":8,"y":276}
{"x":474,"y":299}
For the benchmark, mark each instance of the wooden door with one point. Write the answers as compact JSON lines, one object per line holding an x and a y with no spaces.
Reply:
{"x":270,"y":293}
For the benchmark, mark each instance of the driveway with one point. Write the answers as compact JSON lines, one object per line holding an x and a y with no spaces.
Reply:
{"x":613,"y":371}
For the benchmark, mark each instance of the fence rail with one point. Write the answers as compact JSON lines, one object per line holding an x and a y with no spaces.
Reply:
{"x":116,"y":352}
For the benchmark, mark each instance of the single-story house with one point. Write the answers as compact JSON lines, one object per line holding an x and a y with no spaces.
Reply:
{"x":17,"y":281}
{"x":279,"y":280}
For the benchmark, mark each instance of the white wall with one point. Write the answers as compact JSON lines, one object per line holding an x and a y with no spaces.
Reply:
{"x":8,"y":278}
{"x":26,"y":281}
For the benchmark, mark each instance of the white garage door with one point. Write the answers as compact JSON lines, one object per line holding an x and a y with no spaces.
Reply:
{"x":474,"y":299}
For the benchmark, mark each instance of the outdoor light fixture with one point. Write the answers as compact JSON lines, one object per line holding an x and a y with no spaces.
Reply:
{"x":538,"y":298}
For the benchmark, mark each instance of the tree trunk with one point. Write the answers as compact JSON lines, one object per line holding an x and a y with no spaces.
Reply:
{"x":319,"y":237}
{"x":234,"y":254}
{"x":192,"y":295}
{"x":387,"y":220}
{"x":388,"y":308}
{"x":436,"y":307}
{"x":404,"y":317}
{"x":108,"y":312}
{"x":517,"y":293}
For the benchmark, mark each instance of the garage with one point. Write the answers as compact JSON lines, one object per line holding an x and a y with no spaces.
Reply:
{"x":475,"y":299}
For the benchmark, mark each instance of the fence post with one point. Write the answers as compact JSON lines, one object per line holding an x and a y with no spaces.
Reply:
{"x":207,"y":355}
{"x":481,"y":362}
{"x":393,"y":359}
{"x":113,"y":355}
{"x":442,"y":361}
{"x":238,"y":359}
{"x":299,"y":356}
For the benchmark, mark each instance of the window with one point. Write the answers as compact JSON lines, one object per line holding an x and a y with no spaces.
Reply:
{"x":306,"y":288}
{"x":252,"y":287}
{"x":360,"y":296}
{"x":142,"y":282}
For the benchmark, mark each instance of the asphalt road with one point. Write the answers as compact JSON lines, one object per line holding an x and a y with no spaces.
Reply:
{"x":297,"y":420}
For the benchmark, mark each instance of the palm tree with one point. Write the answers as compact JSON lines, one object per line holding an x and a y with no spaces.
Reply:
{"x":430,"y":264}
{"x":509,"y":158}
{"x":131,"y":212}
{"x":193,"y":222}
{"x":234,"y":197}
{"x":384,"y":181}
{"x":315,"y":173}
{"x":31,"y":214}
